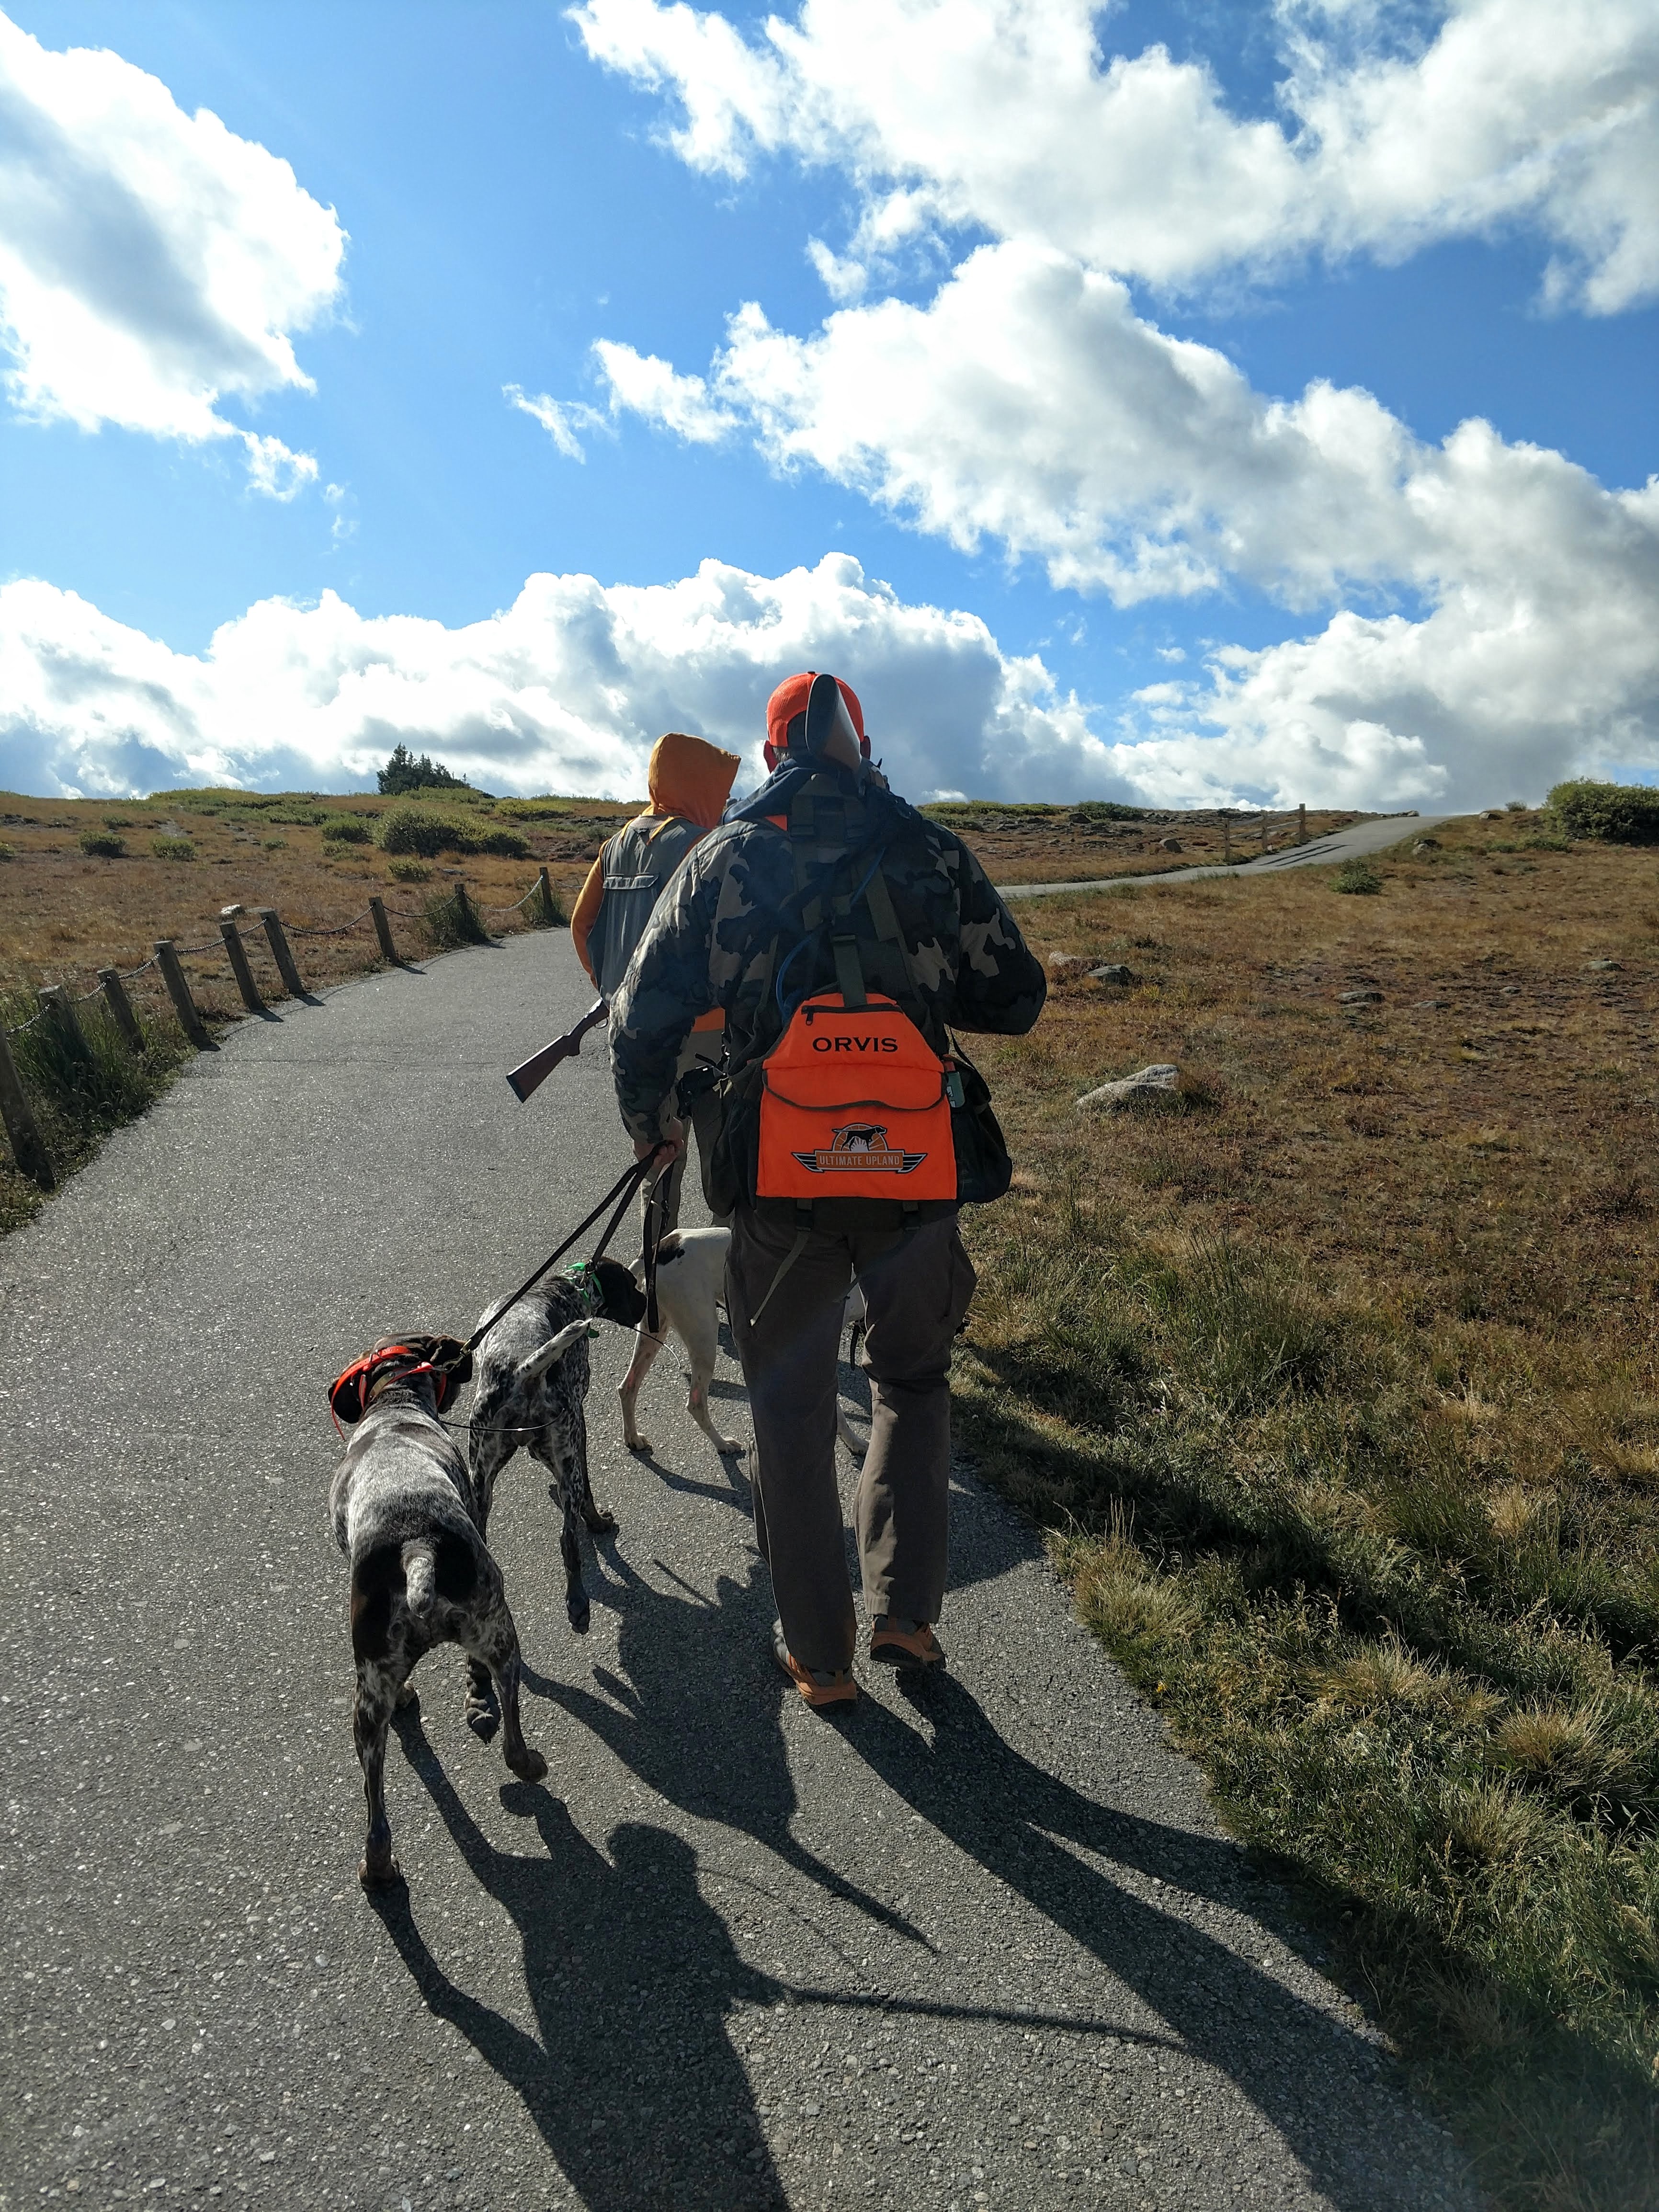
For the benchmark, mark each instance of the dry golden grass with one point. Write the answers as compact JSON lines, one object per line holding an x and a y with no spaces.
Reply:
{"x":1039,"y":844}
{"x":1336,"y":1386}
{"x":63,"y":914}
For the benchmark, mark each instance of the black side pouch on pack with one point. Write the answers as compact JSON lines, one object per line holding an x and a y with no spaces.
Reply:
{"x":984,"y":1170}
{"x":728,"y":1170}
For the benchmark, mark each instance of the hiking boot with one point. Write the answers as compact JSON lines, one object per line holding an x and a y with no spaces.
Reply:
{"x":819,"y":1686}
{"x":896,"y":1642}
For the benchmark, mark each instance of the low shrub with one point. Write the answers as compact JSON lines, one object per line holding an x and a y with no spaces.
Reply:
{"x":1357,"y":876}
{"x":346,"y":829}
{"x":273,"y":844}
{"x":507,"y":844}
{"x":409,"y":871}
{"x":103,"y":845}
{"x":7,"y":852}
{"x":409,"y":829}
{"x":1614,"y":813}
{"x":173,"y":849}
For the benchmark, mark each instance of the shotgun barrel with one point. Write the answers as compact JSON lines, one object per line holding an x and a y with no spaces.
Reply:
{"x":529,"y":1072}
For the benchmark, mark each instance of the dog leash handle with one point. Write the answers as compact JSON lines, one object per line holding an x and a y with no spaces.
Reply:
{"x":622,"y":1190}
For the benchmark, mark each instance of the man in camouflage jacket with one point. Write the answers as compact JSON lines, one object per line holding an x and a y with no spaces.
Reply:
{"x":735,"y":930}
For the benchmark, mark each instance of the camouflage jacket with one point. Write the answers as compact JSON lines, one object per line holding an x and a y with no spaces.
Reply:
{"x":746,"y":921}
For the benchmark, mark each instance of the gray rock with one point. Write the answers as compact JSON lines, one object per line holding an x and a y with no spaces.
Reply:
{"x":1067,"y":964}
{"x":1157,"y":1087}
{"x":1360,"y":998}
{"x":1113,"y":972}
{"x":1168,"y":844}
{"x":1604,"y":964}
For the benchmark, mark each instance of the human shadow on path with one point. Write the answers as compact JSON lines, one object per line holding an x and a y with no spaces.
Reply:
{"x":633,"y":2083}
{"x":1324,"y":2088}
{"x":699,"y":1725}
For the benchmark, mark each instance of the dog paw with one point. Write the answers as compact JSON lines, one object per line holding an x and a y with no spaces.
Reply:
{"x":529,"y":1766}
{"x":378,"y":1873}
{"x":643,"y":1445}
{"x":483,"y":1719}
{"x":408,"y":1696}
{"x":730,"y":1444}
{"x":600,"y":1522}
{"x":580,"y":1614}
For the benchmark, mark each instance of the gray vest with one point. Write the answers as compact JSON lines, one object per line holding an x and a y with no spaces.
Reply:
{"x":638,"y":862}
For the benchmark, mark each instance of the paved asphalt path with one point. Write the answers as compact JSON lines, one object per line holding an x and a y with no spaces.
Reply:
{"x":981,"y":1944}
{"x":1365,"y":837}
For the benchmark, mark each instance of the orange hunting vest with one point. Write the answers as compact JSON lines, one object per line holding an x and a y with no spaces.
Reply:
{"x":855,"y":1104}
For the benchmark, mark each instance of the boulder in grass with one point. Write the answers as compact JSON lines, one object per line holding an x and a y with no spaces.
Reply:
{"x":1157,"y":1087}
{"x":1113,"y":972}
{"x":1066,"y":963}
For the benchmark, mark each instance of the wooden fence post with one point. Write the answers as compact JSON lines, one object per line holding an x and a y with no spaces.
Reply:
{"x":545,"y":882}
{"x":383,"y":931}
{"x":1226,"y":840}
{"x":236,"y":952}
{"x":464,"y":912}
{"x":120,"y":1007}
{"x":1301,"y":823}
{"x":27,"y":1145}
{"x":178,"y":991}
{"x":60,"y":1009}
{"x":1261,"y":831}
{"x":277,"y":938}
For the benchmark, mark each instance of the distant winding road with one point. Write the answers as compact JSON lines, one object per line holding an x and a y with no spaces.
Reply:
{"x":978,"y":1944}
{"x":1364,"y":838}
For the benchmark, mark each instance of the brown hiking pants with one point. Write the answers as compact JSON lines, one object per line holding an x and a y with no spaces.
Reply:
{"x":916,"y":1285}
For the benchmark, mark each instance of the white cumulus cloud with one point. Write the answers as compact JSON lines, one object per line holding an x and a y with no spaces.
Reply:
{"x":152,"y":263}
{"x":565,"y":691}
{"x":1501,"y":588}
{"x":1007,"y":116}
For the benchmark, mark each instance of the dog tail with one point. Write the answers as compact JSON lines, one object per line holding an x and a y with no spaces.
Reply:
{"x":421,"y":1579}
{"x":529,"y":1370}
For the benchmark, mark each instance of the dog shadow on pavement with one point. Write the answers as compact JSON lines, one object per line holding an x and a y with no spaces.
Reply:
{"x":633,"y":2083}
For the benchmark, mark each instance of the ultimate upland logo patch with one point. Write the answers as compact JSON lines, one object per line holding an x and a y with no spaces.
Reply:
{"x":860,"y":1148}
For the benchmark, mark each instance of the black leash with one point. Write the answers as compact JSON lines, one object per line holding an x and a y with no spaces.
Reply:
{"x":623,"y":1191}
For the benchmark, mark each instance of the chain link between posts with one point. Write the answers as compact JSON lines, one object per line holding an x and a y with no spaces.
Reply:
{"x":252,"y":939}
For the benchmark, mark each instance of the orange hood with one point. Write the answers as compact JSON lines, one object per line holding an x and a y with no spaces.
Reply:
{"x":691,"y":778}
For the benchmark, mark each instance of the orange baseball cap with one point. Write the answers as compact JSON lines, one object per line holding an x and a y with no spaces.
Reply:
{"x":789,"y":700}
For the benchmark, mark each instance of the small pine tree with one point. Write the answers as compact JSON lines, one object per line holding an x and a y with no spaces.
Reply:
{"x":403,"y":772}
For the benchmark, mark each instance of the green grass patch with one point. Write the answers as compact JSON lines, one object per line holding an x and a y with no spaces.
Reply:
{"x":450,"y":921}
{"x":173,"y":849}
{"x":1358,"y":878}
{"x":1416,"y":1649}
{"x":79,"y":1095}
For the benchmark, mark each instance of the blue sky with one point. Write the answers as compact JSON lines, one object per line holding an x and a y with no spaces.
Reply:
{"x":511,"y":193}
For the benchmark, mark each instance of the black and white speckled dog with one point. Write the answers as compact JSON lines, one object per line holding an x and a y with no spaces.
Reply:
{"x":533,"y":1376}
{"x":402,"y":1507}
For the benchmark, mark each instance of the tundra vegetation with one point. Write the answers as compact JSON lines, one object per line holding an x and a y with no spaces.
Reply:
{"x":1334,"y":1384}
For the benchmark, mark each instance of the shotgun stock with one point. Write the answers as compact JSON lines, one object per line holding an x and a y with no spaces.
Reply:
{"x":529,"y":1073}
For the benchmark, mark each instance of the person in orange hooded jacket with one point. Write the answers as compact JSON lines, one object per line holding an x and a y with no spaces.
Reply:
{"x":689,"y":781}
